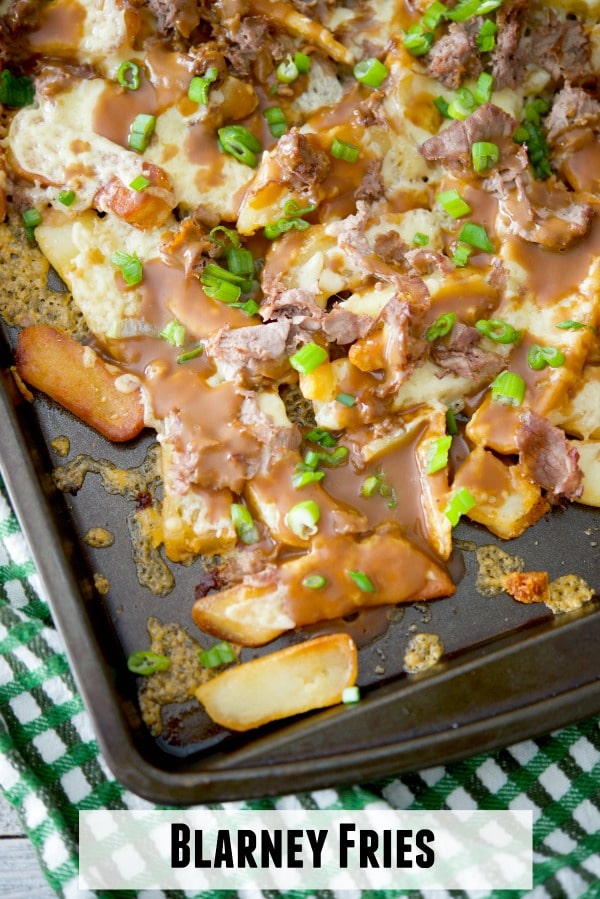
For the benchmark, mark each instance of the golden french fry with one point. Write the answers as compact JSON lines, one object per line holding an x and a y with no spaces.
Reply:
{"x":303,"y":677}
{"x":77,"y":378}
{"x":285,"y":16}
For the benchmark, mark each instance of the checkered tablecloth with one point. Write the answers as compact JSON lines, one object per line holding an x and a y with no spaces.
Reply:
{"x":51,"y":767}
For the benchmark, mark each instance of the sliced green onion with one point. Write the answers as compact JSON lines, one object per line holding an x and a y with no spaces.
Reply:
{"x":275,"y":120}
{"x":464,"y":10}
{"x":128,"y":75}
{"x":174,"y":333}
{"x":140,"y":183}
{"x":31,"y":218}
{"x":229,"y":233}
{"x":569,"y":325}
{"x":308,"y":357}
{"x":312,"y":459}
{"x":283,"y":225}
{"x":16,"y":91}
{"x":508,"y":388}
{"x":434,"y":14}
{"x":250,"y":307}
{"x":303,"y":476}
{"x":147,"y":662}
{"x":129,"y":265}
{"x":221,"y":653}
{"x":303,"y":519}
{"x":498,"y":330}
{"x":240,"y":261}
{"x":213,"y":271}
{"x":240,"y":143}
{"x":531,"y":134}
{"x":141,"y":131}
{"x":442,"y":106}
{"x":437,"y":456}
{"x":370,"y":486}
{"x":321,"y":436}
{"x":332,"y":460}
{"x":243,"y":524}
{"x":200,"y":86}
{"x":370,"y":72}
{"x":462,"y":105}
{"x":441,"y":326}
{"x":191,"y":354}
{"x":484,"y":155}
{"x":362,"y":581}
{"x":287,"y":71}
{"x":302,"y":62}
{"x":342,"y":150}
{"x":221,"y":290}
{"x":461,"y":254}
{"x":420,"y":239}
{"x":350,"y":695}
{"x":486,"y":39}
{"x":292,"y":209}
{"x":539,"y":357}
{"x":483,"y":88}
{"x":66,"y":197}
{"x":487,"y":6}
{"x":453,"y":203}
{"x":451,"y":425}
{"x":346,"y":399}
{"x":461,"y":503}
{"x":476,"y":236}
{"x":418,"y":41}
{"x":314,"y":581}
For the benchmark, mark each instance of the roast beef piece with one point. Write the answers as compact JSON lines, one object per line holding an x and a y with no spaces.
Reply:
{"x":276,"y":439}
{"x":572,"y":109}
{"x":371,"y":187}
{"x":370,"y":111}
{"x":242,"y":45}
{"x":342,"y":326}
{"x":548,"y":457}
{"x":424,"y":261}
{"x":391,"y":248}
{"x":55,"y":77}
{"x":544,"y":212}
{"x":298,"y":307}
{"x":507,"y":61}
{"x":250,"y":355}
{"x":452,"y":146}
{"x":455,"y":54}
{"x":304,"y":164}
{"x":562,"y":48}
{"x":189,"y":247}
{"x":175,"y":15}
{"x":295,"y":305}
{"x":461,"y":354}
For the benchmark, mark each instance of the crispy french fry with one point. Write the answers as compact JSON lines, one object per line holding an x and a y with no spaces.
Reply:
{"x":78,"y":379}
{"x":303,"y":677}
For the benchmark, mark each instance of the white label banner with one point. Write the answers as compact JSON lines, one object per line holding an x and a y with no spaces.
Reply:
{"x":382,"y":849}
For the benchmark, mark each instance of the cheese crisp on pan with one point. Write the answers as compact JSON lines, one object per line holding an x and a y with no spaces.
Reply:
{"x":344,"y":259}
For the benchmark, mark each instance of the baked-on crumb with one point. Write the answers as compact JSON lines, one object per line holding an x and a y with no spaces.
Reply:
{"x":423,"y":652}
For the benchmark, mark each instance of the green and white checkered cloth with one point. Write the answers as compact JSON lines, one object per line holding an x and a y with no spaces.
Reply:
{"x":51,"y":767}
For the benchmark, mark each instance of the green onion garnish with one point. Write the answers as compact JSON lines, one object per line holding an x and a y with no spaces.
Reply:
{"x":441,"y":326}
{"x":147,"y":662}
{"x":191,"y":354}
{"x":420,"y":239}
{"x":484,"y":155}
{"x":302,"y":62}
{"x":350,"y":695}
{"x":304,"y":475}
{"x":531,"y":134}
{"x":128,"y":75}
{"x":461,"y":254}
{"x":308,"y":357}
{"x":292,"y":209}
{"x":486,"y":39}
{"x":314,"y":581}
{"x":240,"y":143}
{"x":539,"y":357}
{"x":361,"y":580}
{"x":141,"y":131}
{"x":321,"y":436}
{"x":342,"y":150}
{"x":200,"y":86}
{"x":287,"y":71}
{"x":221,"y":653}
{"x":303,"y":519}
{"x":31,"y":218}
{"x":230,"y":235}
{"x":462,"y":105}
{"x":140,"y":183}
{"x":66,"y":197}
{"x":275,"y":120}
{"x":174,"y":333}
{"x":244,"y":524}
{"x":418,"y":41}
{"x":442,"y":106}
{"x":487,"y":6}
{"x":437,"y":456}
{"x":451,"y":425}
{"x":129,"y":265}
{"x":240,"y":261}
{"x":464,"y":10}
{"x":508,"y":388}
{"x":346,"y":399}
{"x":370,"y":72}
{"x":371,"y":485}
{"x":16,"y":91}
{"x":453,"y":203}
{"x":483,"y":88}
{"x":219,"y":289}
{"x":569,"y":325}
{"x":498,"y":330}
{"x":434,"y":14}
{"x":461,"y":503}
{"x":249,"y":308}
{"x":476,"y":236}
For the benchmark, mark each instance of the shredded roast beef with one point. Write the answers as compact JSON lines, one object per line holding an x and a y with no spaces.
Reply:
{"x":276,"y":440}
{"x":243,"y":45}
{"x":452,"y":146}
{"x":544,"y":212}
{"x":248,"y":356}
{"x":303,"y":163}
{"x":548,"y":457}
{"x":507,"y":62}
{"x":342,"y":326}
{"x":371,"y":187}
{"x":175,"y":15}
{"x":295,"y":305}
{"x":52,"y":78}
{"x":562,"y":48}
{"x":298,"y":308}
{"x":370,"y":111}
{"x":189,"y":247}
{"x":424,"y":261}
{"x":572,"y":109}
{"x":461,"y":354}
{"x":390,"y":247}
{"x":455,"y":54}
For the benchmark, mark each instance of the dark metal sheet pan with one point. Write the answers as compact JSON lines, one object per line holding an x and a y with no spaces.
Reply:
{"x":509,"y":671}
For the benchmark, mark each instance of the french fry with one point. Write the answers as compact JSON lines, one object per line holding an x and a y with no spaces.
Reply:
{"x":78,"y":379}
{"x":147,"y":208}
{"x":303,"y":677}
{"x":285,"y":16}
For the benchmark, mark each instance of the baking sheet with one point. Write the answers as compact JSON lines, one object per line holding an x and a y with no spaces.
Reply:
{"x":509,"y":670}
